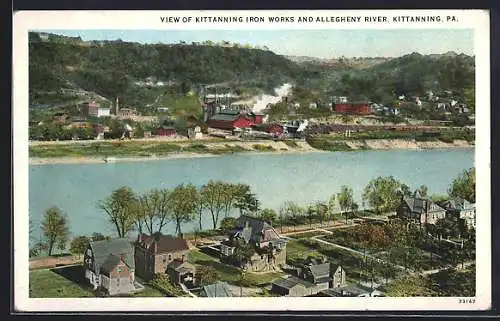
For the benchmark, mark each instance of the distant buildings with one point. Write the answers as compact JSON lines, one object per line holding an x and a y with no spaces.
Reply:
{"x":96,"y":110}
{"x":357,"y":108}
{"x":458,"y":208}
{"x":420,"y":209}
{"x":230,"y":119}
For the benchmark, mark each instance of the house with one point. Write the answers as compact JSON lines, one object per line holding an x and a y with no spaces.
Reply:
{"x":275,"y":129}
{"x":154,"y":253}
{"x":230,"y":119}
{"x":95,"y":110}
{"x":420,"y":209}
{"x":217,"y":290}
{"x":459,"y":208}
{"x":293,"y":286}
{"x":166,"y":131}
{"x":270,"y":248}
{"x":110,"y":264}
{"x":126,"y":112}
{"x":181,"y":271}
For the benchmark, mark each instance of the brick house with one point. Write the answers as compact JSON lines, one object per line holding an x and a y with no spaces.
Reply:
{"x":154,"y":254}
{"x":270,"y":248}
{"x":420,"y":209}
{"x":110,"y":264}
{"x":459,"y":208}
{"x":230,"y":119}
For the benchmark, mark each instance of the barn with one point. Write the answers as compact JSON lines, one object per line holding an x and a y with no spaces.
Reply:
{"x":229,"y":119}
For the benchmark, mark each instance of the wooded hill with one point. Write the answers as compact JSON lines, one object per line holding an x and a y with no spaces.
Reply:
{"x":112,"y":68}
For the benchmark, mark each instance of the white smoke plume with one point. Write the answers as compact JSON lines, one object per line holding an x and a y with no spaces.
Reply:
{"x":262,"y":101}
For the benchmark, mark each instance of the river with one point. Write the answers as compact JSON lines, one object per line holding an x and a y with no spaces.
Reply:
{"x":275,"y":178}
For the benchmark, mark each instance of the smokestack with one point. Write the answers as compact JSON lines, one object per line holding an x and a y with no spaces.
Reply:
{"x":117,"y":109}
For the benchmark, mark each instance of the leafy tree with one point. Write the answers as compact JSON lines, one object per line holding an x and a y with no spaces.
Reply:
{"x":410,"y":286}
{"x":464,"y":186}
{"x":243,"y":251}
{"x":79,"y":244}
{"x":290,"y":211}
{"x":268,"y":215}
{"x":470,"y":97}
{"x":422,"y":190}
{"x":227,"y":224}
{"x":246,"y":201}
{"x":346,"y":200}
{"x":120,"y":207}
{"x":213,"y":196}
{"x":206,"y":275}
{"x":55,"y":229}
{"x":200,"y":207}
{"x":332,"y":205}
{"x":383,"y":194}
{"x":183,"y":204}
{"x":153,"y":210}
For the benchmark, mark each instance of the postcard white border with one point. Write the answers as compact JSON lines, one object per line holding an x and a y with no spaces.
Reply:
{"x":478,"y":20}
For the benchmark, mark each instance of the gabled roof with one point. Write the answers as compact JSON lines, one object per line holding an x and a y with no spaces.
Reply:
{"x":164,"y":243}
{"x":104,"y":251}
{"x":217,"y":290}
{"x":179,"y":266}
{"x":225,"y":117}
{"x":459,"y":204}
{"x":320,"y":270}
{"x":111,"y":262}
{"x":252,"y":229}
{"x":418,"y":204}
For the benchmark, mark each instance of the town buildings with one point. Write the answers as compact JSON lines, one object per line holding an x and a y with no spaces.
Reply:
{"x":163,"y":254}
{"x":421,"y":210}
{"x":96,"y":110}
{"x":357,"y":108}
{"x":110,"y":264}
{"x":270,"y":248}
{"x":458,"y":208}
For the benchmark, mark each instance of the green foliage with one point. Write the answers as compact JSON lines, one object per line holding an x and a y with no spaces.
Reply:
{"x":120,"y":207}
{"x":464,"y":186}
{"x":268,"y":215}
{"x":324,"y":143}
{"x":55,"y":229}
{"x":383,"y":194}
{"x":206,"y":275}
{"x":345,"y":199}
{"x":227,"y":224}
{"x":79,"y":244}
{"x":410,"y":286}
{"x":183,"y":202}
{"x":162,"y":283}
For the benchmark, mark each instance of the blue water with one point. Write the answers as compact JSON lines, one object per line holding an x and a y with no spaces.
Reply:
{"x":275,"y":178}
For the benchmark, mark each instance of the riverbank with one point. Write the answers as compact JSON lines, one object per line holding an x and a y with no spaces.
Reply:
{"x":134,"y":151}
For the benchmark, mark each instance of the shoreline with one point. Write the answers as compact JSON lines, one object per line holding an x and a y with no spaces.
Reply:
{"x":366,"y":145}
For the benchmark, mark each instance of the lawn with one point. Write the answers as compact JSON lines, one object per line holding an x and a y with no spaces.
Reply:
{"x":69,"y":282}
{"x":49,"y":284}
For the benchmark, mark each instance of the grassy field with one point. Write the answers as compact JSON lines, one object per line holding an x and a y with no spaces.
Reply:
{"x":70,"y":282}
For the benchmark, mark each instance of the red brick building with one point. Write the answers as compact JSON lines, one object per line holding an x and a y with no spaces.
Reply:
{"x":274,"y":129}
{"x":357,"y":108}
{"x":166,"y":131}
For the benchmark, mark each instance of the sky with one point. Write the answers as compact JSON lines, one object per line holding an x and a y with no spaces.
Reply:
{"x":312,"y":43}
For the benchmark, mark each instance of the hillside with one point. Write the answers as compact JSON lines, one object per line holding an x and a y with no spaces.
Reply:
{"x":63,"y":68}
{"x":116,"y":68}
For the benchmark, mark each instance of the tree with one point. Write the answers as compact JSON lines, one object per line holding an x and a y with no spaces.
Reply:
{"x":464,"y":186}
{"x":153,"y":210}
{"x":200,"y":208}
{"x":213,"y":196}
{"x":183,"y":204}
{"x":290,"y":210}
{"x":345,"y":200}
{"x":246,"y":201}
{"x":55,"y":229}
{"x":470,"y":97}
{"x":243,"y":251}
{"x":422,"y":190}
{"x":227,"y":224}
{"x":410,"y":286}
{"x":79,"y":244}
{"x":268,"y":215}
{"x":121,"y":209}
{"x":383,"y":194}
{"x":332,"y":205}
{"x":206,"y":275}
{"x":99,"y":237}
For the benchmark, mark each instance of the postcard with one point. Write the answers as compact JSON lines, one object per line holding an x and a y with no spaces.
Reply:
{"x":251,"y":160}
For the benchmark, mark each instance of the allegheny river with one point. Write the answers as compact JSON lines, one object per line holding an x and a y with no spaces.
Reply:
{"x":275,"y":178}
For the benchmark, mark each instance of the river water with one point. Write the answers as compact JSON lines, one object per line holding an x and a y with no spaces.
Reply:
{"x":275,"y":178}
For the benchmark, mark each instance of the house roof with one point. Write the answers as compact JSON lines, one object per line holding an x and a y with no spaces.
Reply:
{"x":418,"y":204}
{"x":102,"y":251}
{"x":291,"y":282}
{"x":164,"y":243}
{"x":320,"y":270}
{"x":111,"y":262}
{"x":225,"y":117}
{"x":251,"y":228}
{"x":180,"y":266}
{"x":459,"y":204}
{"x":217,"y":290}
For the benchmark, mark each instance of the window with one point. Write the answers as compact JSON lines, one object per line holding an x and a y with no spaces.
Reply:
{"x":170,"y":257}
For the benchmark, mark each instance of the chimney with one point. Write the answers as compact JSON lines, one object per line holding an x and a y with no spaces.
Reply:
{"x":117,"y":109}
